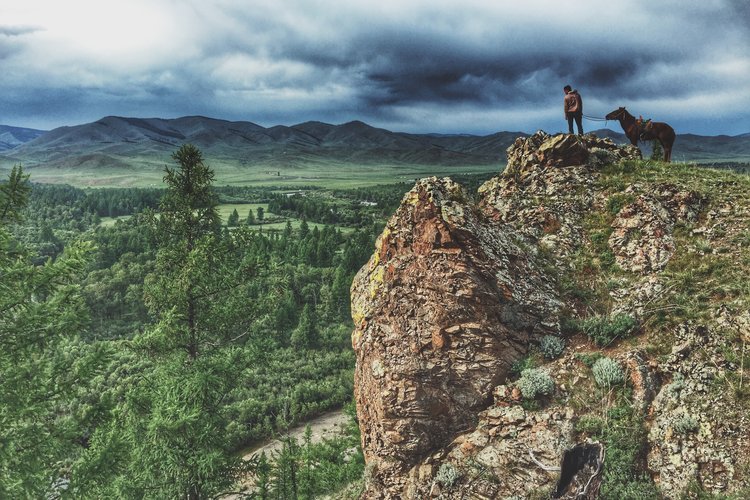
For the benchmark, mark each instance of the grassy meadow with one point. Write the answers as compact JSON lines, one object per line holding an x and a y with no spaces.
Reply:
{"x":225,"y":209}
{"x":333,"y":174}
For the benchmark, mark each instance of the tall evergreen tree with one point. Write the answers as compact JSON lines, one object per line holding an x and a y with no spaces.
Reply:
{"x":285,"y":483}
{"x":263,"y":478}
{"x":40,"y":311}
{"x":234,"y":219}
{"x":250,"y":217}
{"x":306,"y":335}
{"x":171,"y":425}
{"x":307,"y":473}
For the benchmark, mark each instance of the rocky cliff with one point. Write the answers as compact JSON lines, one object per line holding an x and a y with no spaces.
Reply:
{"x":581,"y":296}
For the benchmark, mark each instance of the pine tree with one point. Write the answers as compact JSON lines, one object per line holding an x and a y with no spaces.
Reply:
{"x":307,"y":475}
{"x":41,"y":310}
{"x":168,"y":432}
{"x":342,"y":282}
{"x":285,"y":482}
{"x":234,"y":219}
{"x":250,"y":220}
{"x":287,"y":230}
{"x":306,"y":335}
{"x":263,"y":478}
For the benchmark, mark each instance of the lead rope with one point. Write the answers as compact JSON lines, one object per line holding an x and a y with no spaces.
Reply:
{"x":594,"y":118}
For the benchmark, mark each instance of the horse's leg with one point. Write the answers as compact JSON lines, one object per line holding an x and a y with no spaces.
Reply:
{"x":667,"y":144}
{"x":633,"y":136}
{"x":669,"y":139}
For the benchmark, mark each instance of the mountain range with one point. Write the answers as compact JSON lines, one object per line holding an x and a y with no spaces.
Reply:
{"x":114,"y":143}
{"x":117,"y":141}
{"x":11,"y":137}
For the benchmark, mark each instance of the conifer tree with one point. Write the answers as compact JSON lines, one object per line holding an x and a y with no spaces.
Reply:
{"x":250,"y":220}
{"x":234,"y":219}
{"x":169,"y":432}
{"x":263,"y":478}
{"x":285,"y":482}
{"x":41,"y":310}
{"x":307,"y":475}
{"x":305,"y":336}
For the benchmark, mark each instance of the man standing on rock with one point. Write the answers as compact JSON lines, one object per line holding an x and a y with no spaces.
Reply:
{"x":573,"y":105}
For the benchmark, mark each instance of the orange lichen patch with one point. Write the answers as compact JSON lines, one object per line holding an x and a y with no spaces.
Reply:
{"x":439,"y":339}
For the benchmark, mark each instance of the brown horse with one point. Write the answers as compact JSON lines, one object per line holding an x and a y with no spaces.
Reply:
{"x":660,"y":131}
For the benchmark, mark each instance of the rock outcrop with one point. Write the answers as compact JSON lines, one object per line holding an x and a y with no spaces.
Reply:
{"x":445,"y":306}
{"x":642,"y":238}
{"x":542,"y":193}
{"x":461,"y":288}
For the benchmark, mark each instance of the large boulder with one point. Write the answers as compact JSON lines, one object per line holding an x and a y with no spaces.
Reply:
{"x":442,"y":310}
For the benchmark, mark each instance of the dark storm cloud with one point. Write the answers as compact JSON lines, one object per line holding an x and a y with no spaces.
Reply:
{"x":440,"y":65}
{"x":401,"y":67}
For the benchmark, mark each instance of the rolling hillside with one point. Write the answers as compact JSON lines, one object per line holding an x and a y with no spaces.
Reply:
{"x":11,"y":137}
{"x":698,"y":148}
{"x":133,"y":151}
{"x":137,"y":141}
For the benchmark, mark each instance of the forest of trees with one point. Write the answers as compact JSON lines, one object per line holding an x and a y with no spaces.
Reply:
{"x":138,"y":358}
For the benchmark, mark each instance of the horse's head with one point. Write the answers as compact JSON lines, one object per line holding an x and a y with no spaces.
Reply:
{"x":616,"y":114}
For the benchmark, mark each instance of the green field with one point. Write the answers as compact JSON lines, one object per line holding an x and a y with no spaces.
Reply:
{"x":111,"y":221}
{"x":335,"y":175}
{"x":225,"y":209}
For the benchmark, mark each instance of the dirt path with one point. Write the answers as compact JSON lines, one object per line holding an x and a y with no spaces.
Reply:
{"x":327,"y":425}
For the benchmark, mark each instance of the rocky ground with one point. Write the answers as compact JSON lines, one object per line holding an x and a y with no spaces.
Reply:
{"x":583,"y":295}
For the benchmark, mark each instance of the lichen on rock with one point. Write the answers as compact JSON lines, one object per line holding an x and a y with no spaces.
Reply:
{"x":443,"y":309}
{"x":457,"y":291}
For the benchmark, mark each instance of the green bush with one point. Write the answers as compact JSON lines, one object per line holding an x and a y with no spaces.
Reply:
{"x":607,"y":372}
{"x":590,"y":425}
{"x":447,"y":475}
{"x":603,"y":330}
{"x":618,"y":486}
{"x":624,"y":436}
{"x":685,"y":424}
{"x":525,"y":363}
{"x":588,"y":358}
{"x":551,"y":346}
{"x":535,"y":382}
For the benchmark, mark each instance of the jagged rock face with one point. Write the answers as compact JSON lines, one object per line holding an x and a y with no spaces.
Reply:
{"x":442,"y":310}
{"x":453,"y":296}
{"x":697,"y":433}
{"x":540,"y":199}
{"x":642,"y":239}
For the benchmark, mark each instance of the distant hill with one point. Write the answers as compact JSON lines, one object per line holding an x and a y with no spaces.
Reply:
{"x":698,"y":148}
{"x":116,"y":141}
{"x":11,"y":137}
{"x":133,"y":151}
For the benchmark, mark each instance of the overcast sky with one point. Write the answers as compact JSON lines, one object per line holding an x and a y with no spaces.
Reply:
{"x":464,"y":66}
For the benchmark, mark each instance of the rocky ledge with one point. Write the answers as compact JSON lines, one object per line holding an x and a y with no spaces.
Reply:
{"x":463,"y":289}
